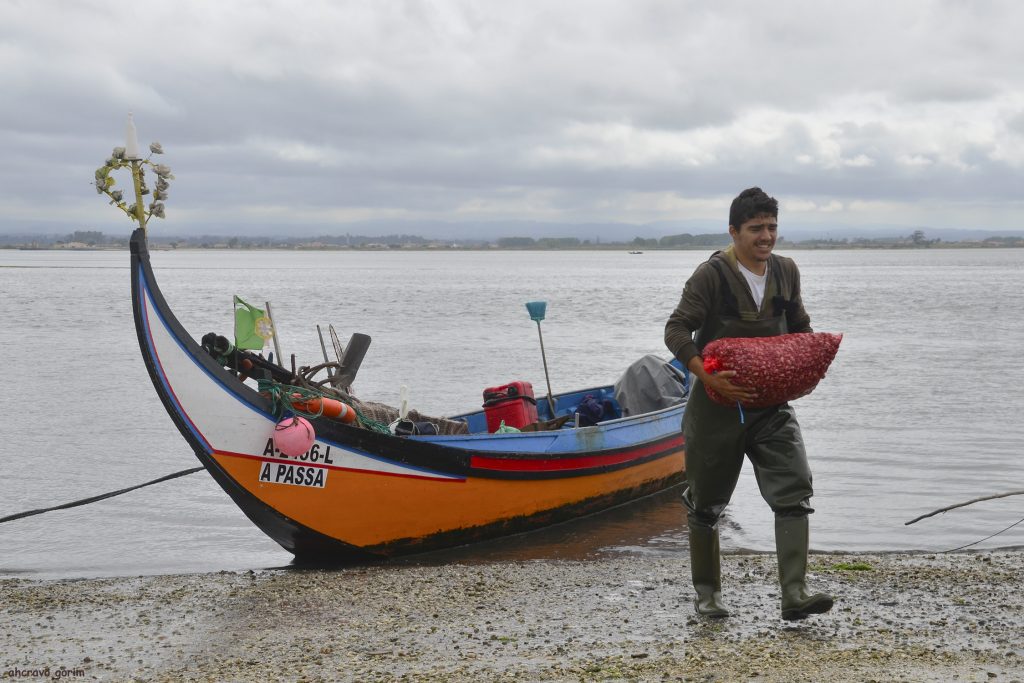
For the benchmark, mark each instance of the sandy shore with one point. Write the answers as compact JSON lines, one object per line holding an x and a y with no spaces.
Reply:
{"x":898,"y":617}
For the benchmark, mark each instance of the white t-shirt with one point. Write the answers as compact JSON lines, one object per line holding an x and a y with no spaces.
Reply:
{"x":755,"y":282}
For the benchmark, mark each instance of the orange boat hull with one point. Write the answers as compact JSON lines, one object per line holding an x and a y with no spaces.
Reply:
{"x":387,"y":514}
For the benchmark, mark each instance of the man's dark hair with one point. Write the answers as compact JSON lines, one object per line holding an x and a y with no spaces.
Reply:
{"x":751,"y":203}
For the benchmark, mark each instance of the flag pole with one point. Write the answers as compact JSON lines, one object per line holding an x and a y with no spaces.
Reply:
{"x":273,"y":331}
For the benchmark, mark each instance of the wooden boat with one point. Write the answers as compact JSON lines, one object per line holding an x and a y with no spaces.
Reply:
{"x":358,"y":493}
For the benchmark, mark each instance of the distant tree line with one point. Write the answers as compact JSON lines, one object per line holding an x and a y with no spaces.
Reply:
{"x":669,"y":242}
{"x":715,"y":239}
{"x":541,"y":243}
{"x":96,"y":239}
{"x":91,"y":238}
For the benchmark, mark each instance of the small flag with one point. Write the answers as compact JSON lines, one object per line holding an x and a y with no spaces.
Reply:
{"x":252,"y":326}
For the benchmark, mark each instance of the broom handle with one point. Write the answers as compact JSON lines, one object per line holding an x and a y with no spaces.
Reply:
{"x":547,"y":377}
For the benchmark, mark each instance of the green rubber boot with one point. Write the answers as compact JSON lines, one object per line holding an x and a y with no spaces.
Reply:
{"x":791,"y":542}
{"x":706,"y":571}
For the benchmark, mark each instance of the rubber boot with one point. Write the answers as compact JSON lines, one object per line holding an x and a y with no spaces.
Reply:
{"x":706,"y":570}
{"x":791,"y":542}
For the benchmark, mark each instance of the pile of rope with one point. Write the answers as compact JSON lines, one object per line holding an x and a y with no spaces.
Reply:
{"x":284,"y":397}
{"x":369,"y":414}
{"x":388,"y":414}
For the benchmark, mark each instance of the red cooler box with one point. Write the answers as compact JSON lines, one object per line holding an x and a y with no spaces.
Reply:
{"x":514,"y":403}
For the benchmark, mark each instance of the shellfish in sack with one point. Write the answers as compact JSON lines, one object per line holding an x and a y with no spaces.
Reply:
{"x":781,"y":368}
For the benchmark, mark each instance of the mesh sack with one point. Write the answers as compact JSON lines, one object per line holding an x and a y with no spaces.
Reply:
{"x":780,"y":369}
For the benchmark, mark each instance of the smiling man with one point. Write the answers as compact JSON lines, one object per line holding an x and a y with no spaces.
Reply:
{"x":743,"y":291}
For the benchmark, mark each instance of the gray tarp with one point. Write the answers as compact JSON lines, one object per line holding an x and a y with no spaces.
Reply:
{"x":651,"y":383}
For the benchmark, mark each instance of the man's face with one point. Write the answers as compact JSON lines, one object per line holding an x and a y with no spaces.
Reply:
{"x":755,"y":239}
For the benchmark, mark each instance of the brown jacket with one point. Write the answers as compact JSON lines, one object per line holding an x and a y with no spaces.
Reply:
{"x":717,"y":292}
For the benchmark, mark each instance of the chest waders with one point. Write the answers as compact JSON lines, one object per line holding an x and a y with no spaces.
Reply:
{"x":717,"y":439}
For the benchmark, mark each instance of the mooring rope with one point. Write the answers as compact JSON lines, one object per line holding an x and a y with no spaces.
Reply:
{"x":953,"y":550}
{"x":94,"y":499}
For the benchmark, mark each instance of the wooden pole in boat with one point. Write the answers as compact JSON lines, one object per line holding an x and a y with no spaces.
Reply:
{"x":140,"y":208}
{"x":547,"y":377}
{"x":537,"y":309}
{"x":339,"y":350}
{"x":131,"y":153}
{"x":323,"y":347}
{"x":273,"y":332}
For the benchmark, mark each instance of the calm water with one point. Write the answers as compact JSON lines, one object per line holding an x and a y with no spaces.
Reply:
{"x":919,"y":409}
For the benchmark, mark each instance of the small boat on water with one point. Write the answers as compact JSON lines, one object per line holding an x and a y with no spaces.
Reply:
{"x":359,"y":493}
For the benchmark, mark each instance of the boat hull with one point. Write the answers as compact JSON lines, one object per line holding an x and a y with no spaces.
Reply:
{"x":399,"y":514}
{"x":358,"y":494}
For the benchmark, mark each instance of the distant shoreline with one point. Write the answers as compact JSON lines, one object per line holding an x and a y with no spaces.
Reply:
{"x":708,"y":241}
{"x":802,"y":246}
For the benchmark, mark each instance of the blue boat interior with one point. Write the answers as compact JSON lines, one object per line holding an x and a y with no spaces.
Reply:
{"x":566,"y":405}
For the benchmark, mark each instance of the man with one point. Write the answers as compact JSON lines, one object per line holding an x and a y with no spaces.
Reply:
{"x":743,"y":291}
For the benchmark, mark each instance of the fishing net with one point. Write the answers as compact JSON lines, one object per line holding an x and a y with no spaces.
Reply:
{"x":370,"y":415}
{"x":385,"y":414}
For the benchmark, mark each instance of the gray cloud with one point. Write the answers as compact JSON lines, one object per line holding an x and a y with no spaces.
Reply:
{"x":1015,"y":123}
{"x":331,"y":112}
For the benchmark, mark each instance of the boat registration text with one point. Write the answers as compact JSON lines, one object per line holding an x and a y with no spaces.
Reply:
{"x":296,"y":475}
{"x":314,"y":454}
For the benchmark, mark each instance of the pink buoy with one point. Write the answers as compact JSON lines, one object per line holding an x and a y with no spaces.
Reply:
{"x":293,"y":436}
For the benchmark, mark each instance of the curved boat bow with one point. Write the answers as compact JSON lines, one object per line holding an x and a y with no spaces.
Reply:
{"x":357,"y":493}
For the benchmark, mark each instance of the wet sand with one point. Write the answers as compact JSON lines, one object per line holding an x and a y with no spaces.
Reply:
{"x":898,"y":617}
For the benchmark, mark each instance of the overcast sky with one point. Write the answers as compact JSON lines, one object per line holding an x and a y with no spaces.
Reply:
{"x":317,"y":114}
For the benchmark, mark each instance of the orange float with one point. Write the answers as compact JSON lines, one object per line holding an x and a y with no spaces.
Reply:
{"x":328,"y":407}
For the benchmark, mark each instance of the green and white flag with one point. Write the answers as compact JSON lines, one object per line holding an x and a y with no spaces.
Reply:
{"x":252,"y":326}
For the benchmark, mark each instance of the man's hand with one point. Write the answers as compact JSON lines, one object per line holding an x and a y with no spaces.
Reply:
{"x":720,"y":382}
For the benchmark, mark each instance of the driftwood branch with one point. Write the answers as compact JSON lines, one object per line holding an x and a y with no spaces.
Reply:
{"x":960,"y":505}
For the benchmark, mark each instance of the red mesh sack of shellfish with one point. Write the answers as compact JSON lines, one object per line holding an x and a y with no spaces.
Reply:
{"x":780,"y":369}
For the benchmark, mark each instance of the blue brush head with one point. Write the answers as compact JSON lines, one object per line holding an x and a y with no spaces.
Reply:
{"x":537,"y":309}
